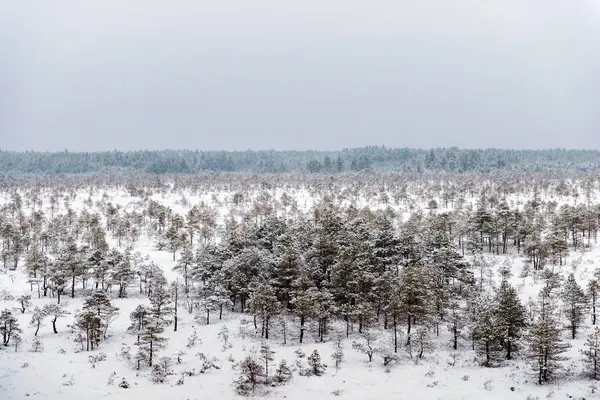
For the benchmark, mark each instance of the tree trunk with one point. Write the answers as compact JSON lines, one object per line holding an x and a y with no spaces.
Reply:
{"x":54,"y":325}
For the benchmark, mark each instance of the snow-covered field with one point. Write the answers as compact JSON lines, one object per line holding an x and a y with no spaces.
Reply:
{"x":62,"y":371}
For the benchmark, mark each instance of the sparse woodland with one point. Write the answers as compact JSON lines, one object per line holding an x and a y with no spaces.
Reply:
{"x":388,"y":271}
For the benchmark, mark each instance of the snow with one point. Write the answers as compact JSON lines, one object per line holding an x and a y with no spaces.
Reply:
{"x":69,"y":375}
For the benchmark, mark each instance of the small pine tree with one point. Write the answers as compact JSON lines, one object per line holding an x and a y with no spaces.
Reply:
{"x":283,"y":373}
{"x":545,"y":346}
{"x":510,"y":318}
{"x":17,"y":340}
{"x":591,"y":354}
{"x":368,"y":346}
{"x":161,"y":370}
{"x":9,"y":326}
{"x":24,"y":302}
{"x":36,"y":346}
{"x":151,"y":340}
{"x":37,"y":318}
{"x":574,"y":303}
{"x":593,"y":290}
{"x":314,"y":362}
{"x":266,"y":355}
{"x":252,"y":372}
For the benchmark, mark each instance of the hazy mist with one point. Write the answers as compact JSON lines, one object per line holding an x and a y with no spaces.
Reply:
{"x":239,"y":74}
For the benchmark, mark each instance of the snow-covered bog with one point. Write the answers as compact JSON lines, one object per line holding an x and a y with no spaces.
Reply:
{"x":453,"y":291}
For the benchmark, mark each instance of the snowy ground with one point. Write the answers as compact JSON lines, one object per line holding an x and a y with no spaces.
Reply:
{"x":60,"y":371}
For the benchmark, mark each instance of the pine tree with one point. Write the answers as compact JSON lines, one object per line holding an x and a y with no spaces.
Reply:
{"x":139,"y":318}
{"x":9,"y":326}
{"x":54,"y":311}
{"x":510,"y":317}
{"x":591,"y":354}
{"x":91,"y":323}
{"x":160,"y":298}
{"x":415,"y":296}
{"x":266,"y":355}
{"x":545,"y":346}
{"x":264,"y":304}
{"x":252,"y":372}
{"x":283,"y":372}
{"x":24,"y":302}
{"x":151,"y":341}
{"x":593,"y":290}
{"x":456,"y":322}
{"x":574,"y":303}
{"x":99,"y":304}
{"x":37,"y":318}
{"x":314,"y":362}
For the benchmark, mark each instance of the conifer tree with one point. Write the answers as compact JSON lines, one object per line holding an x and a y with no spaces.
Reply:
{"x":151,"y":341}
{"x":9,"y":326}
{"x":37,"y":317}
{"x":510,"y":317}
{"x":545,"y":346}
{"x":593,"y":290}
{"x":574,"y":303}
{"x":314,"y":363}
{"x":591,"y":354}
{"x":266,"y":354}
{"x":54,"y":311}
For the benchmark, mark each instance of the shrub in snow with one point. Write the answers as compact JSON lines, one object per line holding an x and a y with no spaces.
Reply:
{"x":299,"y":353}
{"x":194,"y":340}
{"x":125,"y":353}
{"x":111,"y":378}
{"x":251,"y":374}
{"x":124,"y":384}
{"x":338,"y":357}
{"x":17,"y":340}
{"x":161,"y":370}
{"x":97,"y":358}
{"x":224,"y":336}
{"x":368,"y":346}
{"x":36,"y":346}
{"x":208,"y":363}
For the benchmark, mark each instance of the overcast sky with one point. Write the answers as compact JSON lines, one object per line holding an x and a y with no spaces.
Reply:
{"x":305,"y":74}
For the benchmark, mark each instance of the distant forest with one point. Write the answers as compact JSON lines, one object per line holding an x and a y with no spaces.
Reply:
{"x":451,"y":160}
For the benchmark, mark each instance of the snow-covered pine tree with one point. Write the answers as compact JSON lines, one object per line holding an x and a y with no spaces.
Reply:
{"x":593,"y":290}
{"x":54,"y":311}
{"x":162,"y":304}
{"x":266,"y":355}
{"x":151,"y":340}
{"x":263,"y":303}
{"x":574,"y":302}
{"x":591,"y":354}
{"x":545,"y":346}
{"x":37,"y":317}
{"x":99,"y":303}
{"x":510,"y":318}
{"x":139,"y":317}
{"x":457,"y":321}
{"x":9,"y":326}
{"x":24,"y":302}
{"x":485,"y":332}
{"x":314,"y":363}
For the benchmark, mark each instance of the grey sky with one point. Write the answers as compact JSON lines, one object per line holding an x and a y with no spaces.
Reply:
{"x":326,"y":74}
